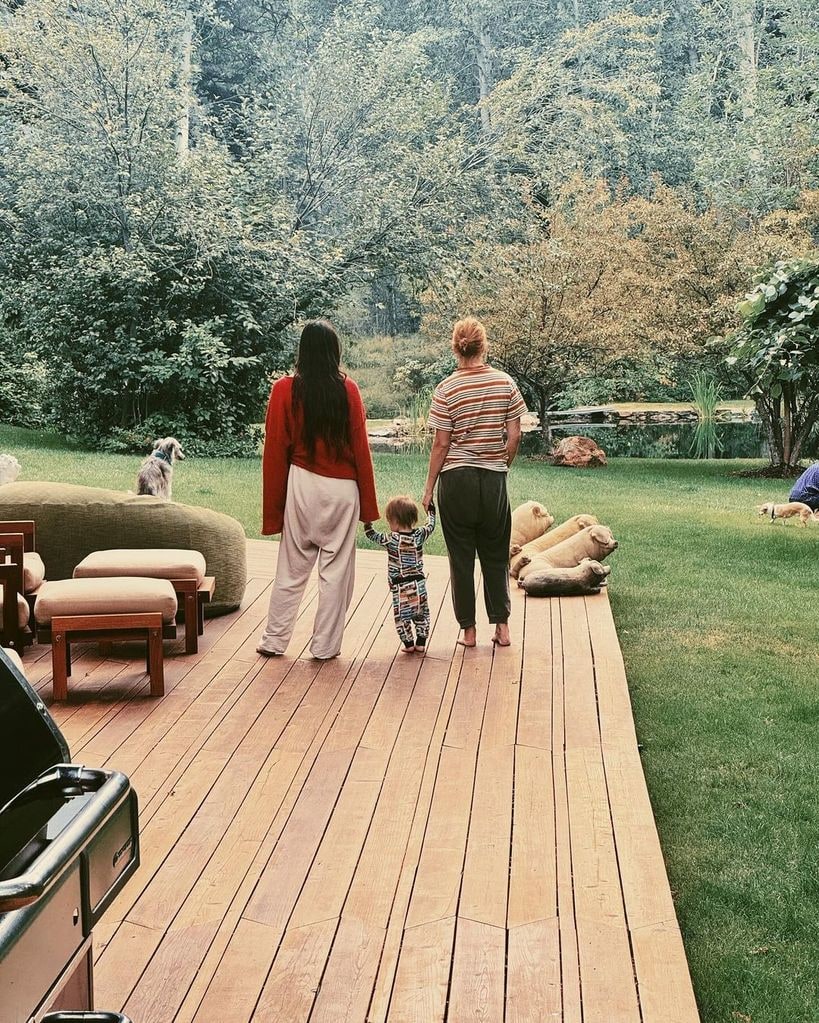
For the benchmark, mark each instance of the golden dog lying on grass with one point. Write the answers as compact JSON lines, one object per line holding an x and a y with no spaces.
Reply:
{"x":548,"y":540}
{"x":791,"y":510}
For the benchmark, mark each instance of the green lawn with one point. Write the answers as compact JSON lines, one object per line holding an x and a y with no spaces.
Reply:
{"x":716,"y":611}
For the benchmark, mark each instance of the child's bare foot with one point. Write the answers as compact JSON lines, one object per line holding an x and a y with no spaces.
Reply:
{"x":409,"y":647}
{"x":502,"y":636}
{"x":470,"y":637}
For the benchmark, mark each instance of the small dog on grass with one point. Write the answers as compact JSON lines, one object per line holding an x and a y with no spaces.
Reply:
{"x":156,"y":472}
{"x":791,"y":510}
{"x":9,"y":469}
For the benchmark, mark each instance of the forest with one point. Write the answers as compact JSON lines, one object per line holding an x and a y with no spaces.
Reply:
{"x":183,"y":182}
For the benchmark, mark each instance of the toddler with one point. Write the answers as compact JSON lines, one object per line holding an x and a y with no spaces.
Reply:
{"x":405,"y":568}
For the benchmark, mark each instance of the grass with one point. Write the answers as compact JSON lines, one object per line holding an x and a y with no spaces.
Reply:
{"x":716,"y":611}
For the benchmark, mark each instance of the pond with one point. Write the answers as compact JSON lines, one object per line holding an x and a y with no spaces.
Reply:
{"x":639,"y":440}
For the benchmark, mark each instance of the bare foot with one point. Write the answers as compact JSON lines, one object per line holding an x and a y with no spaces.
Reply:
{"x":470,"y":637}
{"x":502,"y":637}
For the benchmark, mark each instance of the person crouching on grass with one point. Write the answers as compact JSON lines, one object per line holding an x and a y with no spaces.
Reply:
{"x":405,"y":568}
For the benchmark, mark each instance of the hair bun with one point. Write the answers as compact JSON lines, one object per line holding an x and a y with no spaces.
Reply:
{"x":469,"y":337}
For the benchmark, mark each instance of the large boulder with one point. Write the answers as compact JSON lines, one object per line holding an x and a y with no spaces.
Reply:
{"x":73,"y":521}
{"x":578,"y":453}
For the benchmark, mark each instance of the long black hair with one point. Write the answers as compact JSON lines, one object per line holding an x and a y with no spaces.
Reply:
{"x":319,"y":388}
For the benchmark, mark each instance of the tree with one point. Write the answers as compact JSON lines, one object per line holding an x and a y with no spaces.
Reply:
{"x":776,"y":351}
{"x":156,"y":256}
{"x":609,"y":282}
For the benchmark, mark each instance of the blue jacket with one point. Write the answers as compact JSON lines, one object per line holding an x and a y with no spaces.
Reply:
{"x":806,"y":488}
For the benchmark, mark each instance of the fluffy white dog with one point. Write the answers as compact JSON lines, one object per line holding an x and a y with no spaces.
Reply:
{"x":9,"y":469}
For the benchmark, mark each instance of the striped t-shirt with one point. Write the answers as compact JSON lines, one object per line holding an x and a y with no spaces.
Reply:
{"x":474,"y":405}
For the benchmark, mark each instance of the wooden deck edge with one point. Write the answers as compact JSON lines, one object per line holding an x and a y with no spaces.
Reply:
{"x":661,"y":967}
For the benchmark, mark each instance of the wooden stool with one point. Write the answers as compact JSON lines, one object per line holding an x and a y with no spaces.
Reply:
{"x":106,"y":610}
{"x":109,"y":628}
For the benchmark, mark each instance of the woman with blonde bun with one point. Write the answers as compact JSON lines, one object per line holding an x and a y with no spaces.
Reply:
{"x":476,"y":415}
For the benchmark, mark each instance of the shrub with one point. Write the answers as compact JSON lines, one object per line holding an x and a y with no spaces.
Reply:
{"x":236,"y":441}
{"x":23,"y":383}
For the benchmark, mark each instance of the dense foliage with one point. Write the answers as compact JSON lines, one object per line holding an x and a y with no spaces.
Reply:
{"x":777,"y":352}
{"x":183,"y":181}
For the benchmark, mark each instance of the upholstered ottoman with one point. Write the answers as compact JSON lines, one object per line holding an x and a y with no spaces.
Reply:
{"x":106,"y":610}
{"x":185,"y":570}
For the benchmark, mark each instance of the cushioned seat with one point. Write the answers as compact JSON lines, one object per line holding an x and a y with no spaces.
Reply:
{"x":33,"y":571}
{"x":110,"y":596}
{"x":23,"y":611}
{"x":74,"y":521}
{"x":148,"y":564}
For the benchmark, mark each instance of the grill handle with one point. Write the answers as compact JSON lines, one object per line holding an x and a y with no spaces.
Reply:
{"x":109,"y":788}
{"x":85,"y":1017}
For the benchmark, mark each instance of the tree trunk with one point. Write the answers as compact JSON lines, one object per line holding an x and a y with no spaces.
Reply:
{"x":183,"y":125}
{"x":545,"y":423}
{"x":484,"y":62}
{"x":787,"y":425}
{"x":744,"y":16}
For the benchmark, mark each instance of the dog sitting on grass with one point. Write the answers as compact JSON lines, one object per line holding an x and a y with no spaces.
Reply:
{"x":791,"y":510}
{"x":156,"y":472}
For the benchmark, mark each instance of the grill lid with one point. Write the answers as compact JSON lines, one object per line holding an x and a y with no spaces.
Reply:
{"x":30,"y":741}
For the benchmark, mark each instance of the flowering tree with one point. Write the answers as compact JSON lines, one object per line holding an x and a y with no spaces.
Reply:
{"x":777,"y":352}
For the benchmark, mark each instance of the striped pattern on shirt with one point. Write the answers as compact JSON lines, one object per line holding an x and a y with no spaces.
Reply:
{"x":474,"y":405}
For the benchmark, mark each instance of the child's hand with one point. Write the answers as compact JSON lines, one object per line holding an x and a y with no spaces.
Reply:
{"x":368,"y":525}
{"x":431,"y":508}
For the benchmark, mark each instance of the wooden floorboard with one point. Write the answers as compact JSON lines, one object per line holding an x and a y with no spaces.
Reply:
{"x":382,"y":838}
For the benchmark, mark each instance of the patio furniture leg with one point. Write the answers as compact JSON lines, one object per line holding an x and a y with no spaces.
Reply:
{"x":156,"y":666}
{"x":59,"y":665}
{"x":191,"y":622}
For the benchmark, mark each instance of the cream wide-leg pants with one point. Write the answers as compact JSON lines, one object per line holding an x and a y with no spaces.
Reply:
{"x":320,"y":522}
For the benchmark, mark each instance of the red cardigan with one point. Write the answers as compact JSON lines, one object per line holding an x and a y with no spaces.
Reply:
{"x":284,"y":446}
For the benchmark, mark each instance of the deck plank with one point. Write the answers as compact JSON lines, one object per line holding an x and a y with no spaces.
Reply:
{"x":383,"y":838}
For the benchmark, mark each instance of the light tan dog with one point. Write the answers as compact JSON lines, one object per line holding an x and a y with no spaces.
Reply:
{"x":791,"y":510}
{"x":595,"y":542}
{"x":550,"y":539}
{"x":529,"y":521}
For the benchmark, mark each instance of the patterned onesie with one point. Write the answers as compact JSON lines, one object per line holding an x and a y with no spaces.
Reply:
{"x":405,"y":573}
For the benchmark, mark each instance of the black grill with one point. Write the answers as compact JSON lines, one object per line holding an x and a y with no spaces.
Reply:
{"x":69,"y":841}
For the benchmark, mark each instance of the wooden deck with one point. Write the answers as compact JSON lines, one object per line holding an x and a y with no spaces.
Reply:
{"x":464,"y":836}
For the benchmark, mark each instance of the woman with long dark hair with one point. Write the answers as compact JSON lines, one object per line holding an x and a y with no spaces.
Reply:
{"x":317,"y":476}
